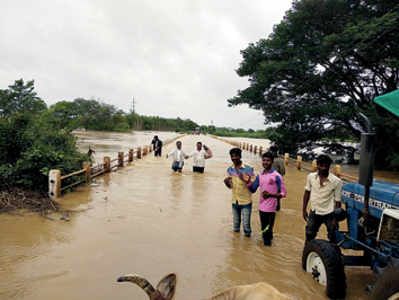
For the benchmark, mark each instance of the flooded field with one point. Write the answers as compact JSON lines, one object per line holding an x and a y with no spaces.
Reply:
{"x":147,"y":220}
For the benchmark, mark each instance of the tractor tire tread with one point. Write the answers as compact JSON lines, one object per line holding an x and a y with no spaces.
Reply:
{"x":333,"y":262}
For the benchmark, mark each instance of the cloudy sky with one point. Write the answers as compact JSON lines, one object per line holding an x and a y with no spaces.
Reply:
{"x":177,"y":58}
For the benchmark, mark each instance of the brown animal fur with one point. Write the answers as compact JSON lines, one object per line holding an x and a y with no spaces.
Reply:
{"x":256,"y":291}
{"x":166,"y":289}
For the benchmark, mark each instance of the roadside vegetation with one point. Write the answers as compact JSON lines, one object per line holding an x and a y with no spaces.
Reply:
{"x":322,"y":65}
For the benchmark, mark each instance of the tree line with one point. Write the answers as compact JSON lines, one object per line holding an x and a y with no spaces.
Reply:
{"x":322,"y":65}
{"x":93,"y":115}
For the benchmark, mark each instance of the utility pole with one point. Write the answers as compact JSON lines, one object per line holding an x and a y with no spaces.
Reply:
{"x":133,"y":105}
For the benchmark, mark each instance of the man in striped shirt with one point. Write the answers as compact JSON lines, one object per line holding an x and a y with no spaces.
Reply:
{"x":241,"y":195}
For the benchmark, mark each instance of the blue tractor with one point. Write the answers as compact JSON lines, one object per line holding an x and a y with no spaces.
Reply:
{"x":372,"y":216}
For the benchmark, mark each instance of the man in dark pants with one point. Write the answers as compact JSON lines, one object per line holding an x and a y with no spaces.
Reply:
{"x":324,"y":192}
{"x":157,"y":146}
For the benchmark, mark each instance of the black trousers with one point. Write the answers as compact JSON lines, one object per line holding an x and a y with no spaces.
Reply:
{"x":158,"y":152}
{"x":198,"y":169}
{"x":314,"y":223}
{"x":267,"y":221}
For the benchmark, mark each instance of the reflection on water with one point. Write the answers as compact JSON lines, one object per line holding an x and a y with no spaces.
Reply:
{"x":148,"y":220}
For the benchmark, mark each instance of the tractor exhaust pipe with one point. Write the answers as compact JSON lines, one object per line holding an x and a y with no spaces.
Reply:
{"x":366,"y":165}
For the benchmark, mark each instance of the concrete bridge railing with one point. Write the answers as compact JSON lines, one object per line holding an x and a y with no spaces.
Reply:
{"x":88,"y":172}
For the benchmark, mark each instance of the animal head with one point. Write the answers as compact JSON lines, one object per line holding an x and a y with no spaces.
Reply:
{"x":165,"y":290}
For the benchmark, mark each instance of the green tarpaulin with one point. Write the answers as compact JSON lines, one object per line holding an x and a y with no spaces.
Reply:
{"x":389,"y":101}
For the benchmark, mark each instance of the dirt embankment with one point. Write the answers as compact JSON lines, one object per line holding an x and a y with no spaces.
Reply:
{"x":12,"y":198}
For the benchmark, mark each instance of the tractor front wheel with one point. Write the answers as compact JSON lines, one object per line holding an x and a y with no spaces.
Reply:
{"x":324,"y":261}
{"x":387,"y":285}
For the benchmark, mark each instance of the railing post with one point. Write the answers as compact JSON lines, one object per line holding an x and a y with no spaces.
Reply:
{"x":250,"y":148}
{"x":139,"y":153}
{"x":299,"y":162}
{"x":130,"y":155}
{"x":107,"y":164}
{"x":87,"y":167}
{"x":256,"y":149}
{"x":260,"y":150}
{"x":286,"y":157}
{"x":120,"y":159}
{"x":150,"y":148}
{"x":54,"y":184}
{"x":314,"y":165}
{"x":337,"y":171}
{"x":144,"y":150}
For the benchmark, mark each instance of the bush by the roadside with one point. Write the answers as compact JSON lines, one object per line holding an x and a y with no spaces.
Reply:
{"x":30,"y":147}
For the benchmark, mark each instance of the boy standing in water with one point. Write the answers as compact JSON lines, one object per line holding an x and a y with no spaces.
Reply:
{"x":272,"y":187}
{"x":178,"y":157}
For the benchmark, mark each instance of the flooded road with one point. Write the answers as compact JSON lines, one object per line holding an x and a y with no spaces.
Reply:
{"x":110,"y":143}
{"x":144,"y":219}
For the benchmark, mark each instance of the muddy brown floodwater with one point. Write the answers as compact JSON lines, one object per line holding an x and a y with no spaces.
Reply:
{"x":144,"y":219}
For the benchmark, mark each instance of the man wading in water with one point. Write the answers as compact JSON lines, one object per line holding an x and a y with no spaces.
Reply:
{"x":324,"y":191}
{"x":272,"y":188}
{"x":157,"y":146}
{"x":178,"y":157}
{"x":199,"y":155}
{"x":241,"y":196}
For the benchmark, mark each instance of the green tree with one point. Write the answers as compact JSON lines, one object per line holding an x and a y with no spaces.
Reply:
{"x":324,"y":63}
{"x":64,"y":115}
{"x":20,"y":97}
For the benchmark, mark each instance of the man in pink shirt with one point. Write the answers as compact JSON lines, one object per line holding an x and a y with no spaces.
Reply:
{"x":272,"y":188}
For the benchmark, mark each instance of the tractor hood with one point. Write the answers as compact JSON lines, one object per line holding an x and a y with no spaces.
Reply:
{"x":382,"y":195}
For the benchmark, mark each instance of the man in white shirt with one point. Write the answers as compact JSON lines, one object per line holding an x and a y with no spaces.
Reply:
{"x":324,"y":192}
{"x":199,"y":155}
{"x":178,"y":157}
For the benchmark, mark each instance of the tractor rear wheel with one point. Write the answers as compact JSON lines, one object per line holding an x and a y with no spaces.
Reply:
{"x":324,"y":260}
{"x":387,"y":285}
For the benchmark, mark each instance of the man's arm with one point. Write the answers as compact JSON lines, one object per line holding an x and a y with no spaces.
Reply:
{"x":306,"y":197}
{"x":228,"y":182}
{"x":337,"y":194}
{"x":208,"y":154}
{"x":185,"y":156}
{"x":170,"y":153}
{"x":281,"y":187}
{"x":252,"y":185}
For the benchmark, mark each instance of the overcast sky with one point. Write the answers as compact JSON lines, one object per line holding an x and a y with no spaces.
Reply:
{"x":177,"y":57}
